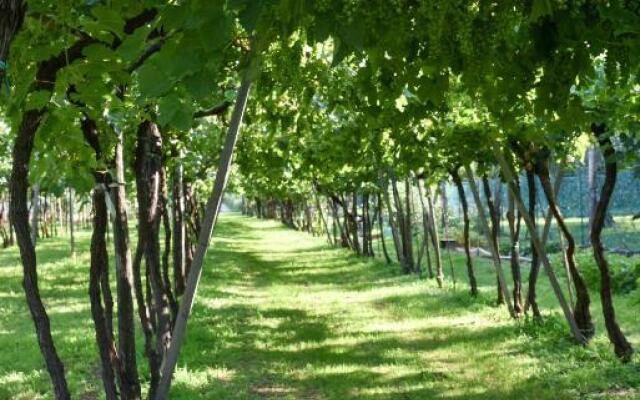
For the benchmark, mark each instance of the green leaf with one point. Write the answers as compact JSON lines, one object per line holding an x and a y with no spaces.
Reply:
{"x":133,"y":45}
{"x":174,"y":111}
{"x":167,"y":108}
{"x":249,"y":14}
{"x":201,"y":84}
{"x":37,"y":100}
{"x":153,"y":81}
{"x":539,"y":9}
{"x":109,"y":20}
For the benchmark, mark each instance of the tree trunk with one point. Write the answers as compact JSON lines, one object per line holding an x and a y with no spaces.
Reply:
{"x":502,"y":283}
{"x":435,"y":238}
{"x":179,"y":270}
{"x":621,"y":346}
{"x":130,"y":384}
{"x":99,"y":288}
{"x":365,"y":227}
{"x":445,"y":204}
{"x":163,"y":209}
{"x":35,"y":212}
{"x":592,"y":184}
{"x":98,"y":266}
{"x":514,"y":233}
{"x":325,"y":226}
{"x":408,"y":225}
{"x":553,"y":280}
{"x":405,"y":260}
{"x":495,"y":230}
{"x":581,"y":311}
{"x":346,"y":224}
{"x":535,"y":259}
{"x":367,"y":217}
{"x":381,"y":225}
{"x":11,"y":17}
{"x":354,"y":224}
{"x":148,"y":182}
{"x":18,"y":186}
{"x":259,"y":208}
{"x":425,"y":229}
{"x":11,"y":235}
{"x":445,"y":227}
{"x":392,"y":224}
{"x":336,"y":224}
{"x":72,"y":239}
{"x":473,"y":284}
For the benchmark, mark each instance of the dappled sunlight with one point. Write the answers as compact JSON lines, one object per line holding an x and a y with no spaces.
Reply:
{"x":279,"y":315}
{"x":295,"y":319}
{"x":194,"y":379}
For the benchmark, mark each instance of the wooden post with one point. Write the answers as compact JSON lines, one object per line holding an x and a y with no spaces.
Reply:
{"x":566,"y":309}
{"x":210,"y":218}
{"x":487,"y":231}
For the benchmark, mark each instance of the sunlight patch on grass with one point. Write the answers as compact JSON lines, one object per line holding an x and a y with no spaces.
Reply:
{"x":406,"y":325}
{"x":195,"y":379}
{"x":404,"y":389}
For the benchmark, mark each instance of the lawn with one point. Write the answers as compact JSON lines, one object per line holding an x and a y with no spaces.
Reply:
{"x":280,"y":315}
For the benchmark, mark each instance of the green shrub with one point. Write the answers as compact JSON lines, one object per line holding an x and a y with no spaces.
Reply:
{"x":625,"y":273}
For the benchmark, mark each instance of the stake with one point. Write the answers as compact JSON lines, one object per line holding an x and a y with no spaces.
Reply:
{"x":568,"y":314}
{"x":487,"y":231}
{"x":210,"y":218}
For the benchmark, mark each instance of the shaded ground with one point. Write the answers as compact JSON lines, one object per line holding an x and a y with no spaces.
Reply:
{"x":281,"y":316}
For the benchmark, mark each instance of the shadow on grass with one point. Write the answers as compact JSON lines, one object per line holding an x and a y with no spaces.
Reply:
{"x":279,"y":315}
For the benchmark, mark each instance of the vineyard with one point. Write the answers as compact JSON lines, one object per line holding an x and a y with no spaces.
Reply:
{"x":333,"y":199}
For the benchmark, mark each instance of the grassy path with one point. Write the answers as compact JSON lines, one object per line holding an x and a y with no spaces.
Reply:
{"x":281,"y":316}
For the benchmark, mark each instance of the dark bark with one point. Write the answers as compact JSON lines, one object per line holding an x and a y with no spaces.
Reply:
{"x":99,"y":263}
{"x":346,"y":225}
{"x":514,"y":219}
{"x":381,"y":226}
{"x":35,"y":212}
{"x":308,"y":219}
{"x":11,"y":17}
{"x":44,"y":81}
{"x":259,"y":212}
{"x":581,"y":311}
{"x":621,"y":346}
{"x":495,"y":228}
{"x":18,"y":186}
{"x":445,"y":227}
{"x":592,"y":168}
{"x":337,"y":223}
{"x":163,"y":209}
{"x":473,"y":284}
{"x":72,"y":238}
{"x":408,"y":225}
{"x":392,"y":223}
{"x":179,"y":270}
{"x":406,"y":259}
{"x":323,"y":220}
{"x":288,"y":214}
{"x":425,"y":229}
{"x":130,"y":384}
{"x":532,"y":299}
{"x":435,"y":239}
{"x":353,"y":218}
{"x":148,"y":169}
{"x":99,"y":289}
{"x":365,"y":227}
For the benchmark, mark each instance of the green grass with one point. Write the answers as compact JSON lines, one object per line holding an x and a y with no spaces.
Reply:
{"x":280,"y":315}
